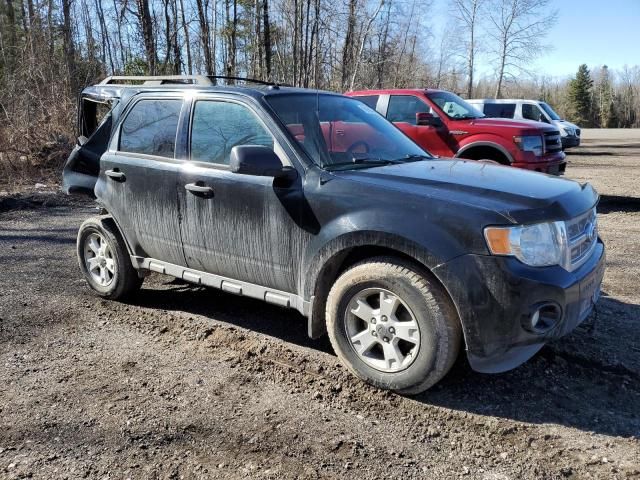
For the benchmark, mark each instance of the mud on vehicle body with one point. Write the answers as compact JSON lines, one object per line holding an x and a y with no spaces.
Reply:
{"x":313,"y":201}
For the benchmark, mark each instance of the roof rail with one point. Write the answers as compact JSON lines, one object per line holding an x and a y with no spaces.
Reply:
{"x":156,"y":80}
{"x":242,"y":79}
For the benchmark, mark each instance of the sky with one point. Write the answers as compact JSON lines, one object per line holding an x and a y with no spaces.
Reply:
{"x":595,"y":32}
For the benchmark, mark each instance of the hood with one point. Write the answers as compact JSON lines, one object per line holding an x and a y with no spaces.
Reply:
{"x":488,"y":125}
{"x":565,"y":123}
{"x":520,"y":196}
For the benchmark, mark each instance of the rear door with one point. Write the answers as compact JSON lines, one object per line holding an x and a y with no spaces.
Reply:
{"x":82,"y":168}
{"x":138,"y":175}
{"x":402,"y":110}
{"x":234,"y":225}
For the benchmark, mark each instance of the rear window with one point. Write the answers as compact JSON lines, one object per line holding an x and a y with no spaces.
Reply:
{"x":150,"y":128}
{"x":499,"y":110}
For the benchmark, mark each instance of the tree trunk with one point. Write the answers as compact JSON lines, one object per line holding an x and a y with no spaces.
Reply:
{"x":347,"y":52}
{"x":146,"y":24}
{"x":12,"y":36}
{"x":205,"y":39}
{"x":186,"y":39}
{"x":68,"y":46}
{"x":267,"y":38}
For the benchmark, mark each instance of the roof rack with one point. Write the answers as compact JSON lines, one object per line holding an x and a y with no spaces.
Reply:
{"x":206,"y":80}
{"x":157,"y":80}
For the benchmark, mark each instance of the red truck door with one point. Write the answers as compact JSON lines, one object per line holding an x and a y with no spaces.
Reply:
{"x":402,"y":111}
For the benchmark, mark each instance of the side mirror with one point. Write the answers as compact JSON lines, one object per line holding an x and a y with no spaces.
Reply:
{"x":427,"y":119}
{"x":260,"y":161}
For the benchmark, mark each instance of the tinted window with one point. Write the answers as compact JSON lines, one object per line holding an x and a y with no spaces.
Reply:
{"x":403,"y":108}
{"x":371,"y":100}
{"x":340,"y":132}
{"x":219,"y":126}
{"x":499,"y":110}
{"x":532,"y":112}
{"x":151,"y":127}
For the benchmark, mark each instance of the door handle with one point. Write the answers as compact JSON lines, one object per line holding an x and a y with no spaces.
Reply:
{"x":199,"y":190}
{"x":115,"y":174}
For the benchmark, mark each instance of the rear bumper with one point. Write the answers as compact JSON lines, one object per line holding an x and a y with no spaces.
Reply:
{"x":496,"y":297}
{"x":569,"y":142}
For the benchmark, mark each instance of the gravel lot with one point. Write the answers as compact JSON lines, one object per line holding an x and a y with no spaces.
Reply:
{"x":186,"y":382}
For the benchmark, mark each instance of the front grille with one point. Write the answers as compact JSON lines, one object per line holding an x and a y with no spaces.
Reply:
{"x":552,"y":141}
{"x":582,"y":235}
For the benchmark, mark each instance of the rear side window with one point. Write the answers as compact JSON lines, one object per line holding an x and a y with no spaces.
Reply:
{"x":370,"y":100}
{"x":219,"y":126}
{"x":403,"y":108}
{"x":150,"y":128}
{"x":500,"y":110}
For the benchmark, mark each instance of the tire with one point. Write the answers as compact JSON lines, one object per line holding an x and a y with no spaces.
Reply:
{"x":112,"y":275}
{"x":427,"y":331}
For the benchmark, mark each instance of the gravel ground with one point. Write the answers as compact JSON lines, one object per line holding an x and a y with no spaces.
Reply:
{"x":186,"y":382}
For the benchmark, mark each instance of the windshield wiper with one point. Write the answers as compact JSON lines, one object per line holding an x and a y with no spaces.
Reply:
{"x":365,"y":162}
{"x":413,"y":158}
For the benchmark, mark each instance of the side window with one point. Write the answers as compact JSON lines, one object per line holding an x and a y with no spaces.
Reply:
{"x":370,"y":100}
{"x":532,"y":112}
{"x":150,"y":128}
{"x":403,"y":108}
{"x":219,"y":126}
{"x":499,"y":110}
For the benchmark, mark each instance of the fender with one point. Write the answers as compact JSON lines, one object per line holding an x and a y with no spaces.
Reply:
{"x":325,"y":265}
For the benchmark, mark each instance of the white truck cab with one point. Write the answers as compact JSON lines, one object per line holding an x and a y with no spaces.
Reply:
{"x":529,"y":110}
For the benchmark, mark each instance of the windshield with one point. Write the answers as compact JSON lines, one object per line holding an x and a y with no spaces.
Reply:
{"x":453,"y":106}
{"x":341,"y":132}
{"x":552,"y":114}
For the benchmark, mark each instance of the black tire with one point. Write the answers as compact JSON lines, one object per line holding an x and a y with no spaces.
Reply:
{"x":125,"y":279}
{"x":437,"y":319}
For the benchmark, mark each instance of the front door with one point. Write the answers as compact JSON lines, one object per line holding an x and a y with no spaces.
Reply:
{"x":138,"y":177}
{"x":402,"y":112}
{"x":233,"y":225}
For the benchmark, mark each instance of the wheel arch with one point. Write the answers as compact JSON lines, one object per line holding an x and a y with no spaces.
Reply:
{"x":107,"y":220}
{"x":331,"y":263}
{"x":467,"y":150}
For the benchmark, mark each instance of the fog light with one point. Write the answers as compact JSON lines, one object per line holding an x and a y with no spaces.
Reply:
{"x":543,"y":318}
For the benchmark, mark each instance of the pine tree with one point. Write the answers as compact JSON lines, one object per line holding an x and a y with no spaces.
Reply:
{"x":603,"y":104}
{"x":580,"y":91}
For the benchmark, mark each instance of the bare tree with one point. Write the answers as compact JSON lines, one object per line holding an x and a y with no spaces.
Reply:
{"x":517,"y":28}
{"x":467,"y":13}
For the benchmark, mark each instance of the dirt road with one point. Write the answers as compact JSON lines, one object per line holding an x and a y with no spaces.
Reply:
{"x":187,"y":382}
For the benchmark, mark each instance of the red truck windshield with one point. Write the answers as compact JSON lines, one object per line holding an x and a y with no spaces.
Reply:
{"x":453,"y":106}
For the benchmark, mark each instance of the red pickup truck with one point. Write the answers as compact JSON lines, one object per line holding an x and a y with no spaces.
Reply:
{"x":445,"y":125}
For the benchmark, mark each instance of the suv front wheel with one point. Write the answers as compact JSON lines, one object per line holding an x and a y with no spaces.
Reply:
{"x":104,"y":260}
{"x":391,"y":326}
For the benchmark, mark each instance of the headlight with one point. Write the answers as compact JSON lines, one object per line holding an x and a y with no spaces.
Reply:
{"x":529,"y":143}
{"x":567,"y":132}
{"x":537,"y":245}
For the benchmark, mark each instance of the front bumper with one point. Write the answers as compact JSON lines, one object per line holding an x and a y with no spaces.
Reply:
{"x":495,"y":297}
{"x":569,"y":142}
{"x":552,"y":164}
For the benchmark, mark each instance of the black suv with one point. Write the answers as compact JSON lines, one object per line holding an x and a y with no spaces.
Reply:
{"x":313,"y":201}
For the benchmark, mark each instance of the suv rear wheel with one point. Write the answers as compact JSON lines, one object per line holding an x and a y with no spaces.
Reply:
{"x":104,"y":260}
{"x":391,"y":326}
